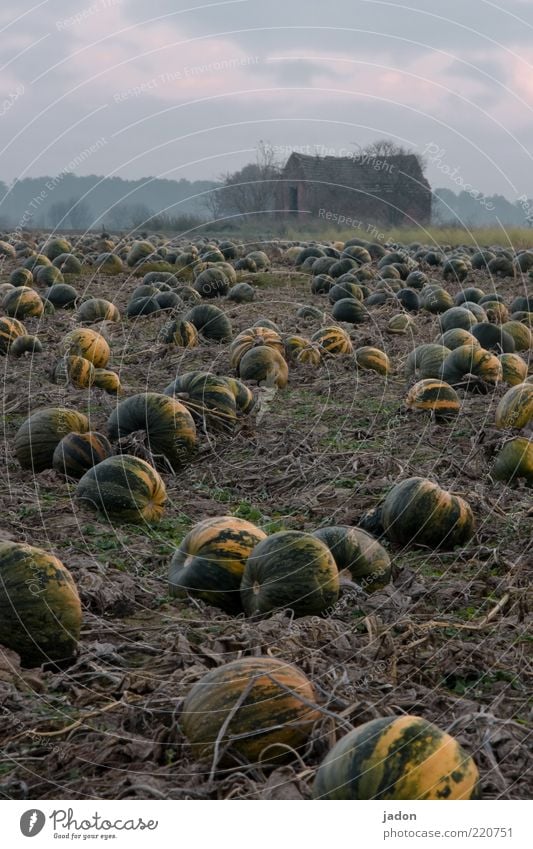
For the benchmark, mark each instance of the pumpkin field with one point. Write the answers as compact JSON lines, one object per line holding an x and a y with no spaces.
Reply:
{"x":267,"y":525}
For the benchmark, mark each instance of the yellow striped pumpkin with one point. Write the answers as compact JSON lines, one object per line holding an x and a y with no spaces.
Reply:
{"x":257,"y":708}
{"x":516,"y":407}
{"x":75,"y":370}
{"x":40,"y":610}
{"x":253,"y":337}
{"x":396,"y":758}
{"x":124,"y":487}
{"x":83,"y":342}
{"x":514,"y":369}
{"x":372,"y":359}
{"x":333,"y":340}
{"x":210,"y":561}
{"x":417,"y":511}
{"x":435,"y":396}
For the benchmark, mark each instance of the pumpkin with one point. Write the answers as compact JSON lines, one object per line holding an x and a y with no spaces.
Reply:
{"x":10,"y":329}
{"x":514,"y":369}
{"x":180,"y":333}
{"x":109,"y":263}
{"x":38,"y":436}
{"x":399,"y":323}
{"x":520,"y":333}
{"x":476,"y":309}
{"x":266,"y":703}
{"x":23,"y":302}
{"x":210,"y":321}
{"x":251,"y":338}
{"x":497,"y":312}
{"x":426,"y":361}
{"x":358,"y":552}
{"x":78,"y":452}
{"x":308,"y":311}
{"x":301,"y":350}
{"x":471,"y":293}
{"x":322,"y":283}
{"x":456,"y":337}
{"x":492,"y":337}
{"x":55,"y":247}
{"x":408,"y":299}
{"x":211,"y":283}
{"x":188,"y":295}
{"x":244,"y":398}
{"x":456,"y":317}
{"x":333,"y":340}
{"x":516,"y":407}
{"x":61,"y":296}
{"x":124,"y":487}
{"x":169,"y":427}
{"x":75,"y":370}
{"x":350,"y":310}
{"x":418,"y":511}
{"x":210,"y":561}
{"x":40,"y":610}
{"x":97,"y":309}
{"x":515,"y":460}
{"x":242,"y":293}
{"x":139,"y":251}
{"x":33,"y":262}
{"x":468,"y":360}
{"x":290,"y":569}
{"x":397,"y":757}
{"x":21,"y":277}
{"x":168,"y":300}
{"x":372,"y":359}
{"x":434,"y":395}
{"x":67,"y":263}
{"x":343,"y":291}
{"x":416,"y":280}
{"x":143,"y":306}
{"x":26,"y":345}
{"x":501,"y":267}
{"x":264,"y":365}
{"x":48,"y":275}
{"x":481,"y":259}
{"x":522,"y":303}
{"x":456,"y":269}
{"x":265,"y":322}
{"x":86,"y":343}
{"x":107,"y":380}
{"x":209,"y":398}
{"x":436,"y":300}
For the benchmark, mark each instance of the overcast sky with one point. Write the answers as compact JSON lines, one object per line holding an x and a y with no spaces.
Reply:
{"x":179,"y":88}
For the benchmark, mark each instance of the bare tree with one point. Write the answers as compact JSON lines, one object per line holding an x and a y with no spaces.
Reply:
{"x":251,"y":190}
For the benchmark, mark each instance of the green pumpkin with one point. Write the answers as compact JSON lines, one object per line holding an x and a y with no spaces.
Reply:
{"x":209,"y":398}
{"x":358,"y":552}
{"x":168,"y":425}
{"x":38,"y":437}
{"x":290,"y":569}
{"x":210,"y":561}
{"x":397,"y":758}
{"x":417,"y":511}
{"x":40,"y":610}
{"x":124,"y":487}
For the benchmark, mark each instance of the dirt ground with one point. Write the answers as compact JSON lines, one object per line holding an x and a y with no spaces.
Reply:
{"x":447,"y":640}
